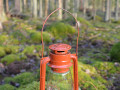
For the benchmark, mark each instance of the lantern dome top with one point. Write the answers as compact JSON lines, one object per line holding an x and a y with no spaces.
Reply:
{"x":60,"y":47}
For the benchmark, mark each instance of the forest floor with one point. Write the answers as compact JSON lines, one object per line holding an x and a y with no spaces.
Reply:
{"x":20,"y":52}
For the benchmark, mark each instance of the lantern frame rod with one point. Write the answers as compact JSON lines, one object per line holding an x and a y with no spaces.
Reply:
{"x":45,"y":23}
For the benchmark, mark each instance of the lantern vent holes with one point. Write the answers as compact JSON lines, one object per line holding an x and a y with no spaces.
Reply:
{"x":60,"y":51}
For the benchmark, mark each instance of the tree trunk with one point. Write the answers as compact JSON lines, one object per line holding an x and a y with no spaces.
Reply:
{"x":110,"y":9}
{"x":60,"y":11}
{"x":7,"y":6}
{"x":78,"y":5}
{"x":2,"y":13}
{"x":81,"y":4}
{"x":116,"y":9}
{"x":35,"y":8}
{"x":31,"y":7}
{"x":84,"y":8}
{"x":17,"y":6}
{"x":94,"y":9}
{"x":107,"y":10}
{"x":1,"y":27}
{"x":25,"y":5}
{"x":103,"y":5}
{"x":75,"y":7}
{"x":46,"y":8}
{"x":40,"y":9}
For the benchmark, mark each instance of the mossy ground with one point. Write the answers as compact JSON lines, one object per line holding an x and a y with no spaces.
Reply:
{"x":21,"y":40}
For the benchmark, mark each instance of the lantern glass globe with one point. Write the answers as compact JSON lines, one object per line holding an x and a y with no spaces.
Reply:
{"x":59,"y":81}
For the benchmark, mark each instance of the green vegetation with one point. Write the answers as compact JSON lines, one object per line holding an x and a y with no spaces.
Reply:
{"x":3,"y":38}
{"x":2,"y":52}
{"x":11,"y":49}
{"x":60,"y":30}
{"x":22,"y":79}
{"x":29,"y":50}
{"x":32,"y":86}
{"x":13,"y":57}
{"x":7,"y":87}
{"x":36,"y":37}
{"x":84,"y":22}
{"x":23,"y":42}
{"x":115,"y":52}
{"x":89,"y":78}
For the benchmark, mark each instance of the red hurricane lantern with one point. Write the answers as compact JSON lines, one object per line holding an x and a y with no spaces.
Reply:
{"x":59,"y":60}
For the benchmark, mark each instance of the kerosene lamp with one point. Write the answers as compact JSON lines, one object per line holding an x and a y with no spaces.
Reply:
{"x":59,"y":60}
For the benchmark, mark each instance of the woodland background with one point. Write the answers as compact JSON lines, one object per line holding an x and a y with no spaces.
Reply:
{"x":99,"y":42}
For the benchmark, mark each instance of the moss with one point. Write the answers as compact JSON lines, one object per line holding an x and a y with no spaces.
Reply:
{"x":106,"y":68}
{"x":85,"y":67}
{"x":84,"y":22}
{"x":2,"y":52}
{"x":11,"y":49}
{"x":38,"y":48}
{"x":3,"y":38}
{"x":98,"y":18}
{"x":12,"y":57}
{"x":7,"y":87}
{"x":32,"y":86}
{"x":60,"y":30}
{"x":20,"y":35}
{"x":22,"y":79}
{"x":103,"y":25}
{"x":91,"y":80}
{"x":29,"y":50}
{"x":36,"y":37}
{"x":39,"y":27}
{"x":115,"y":52}
{"x":102,"y":67}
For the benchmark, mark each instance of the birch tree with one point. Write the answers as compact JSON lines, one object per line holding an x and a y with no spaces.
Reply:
{"x":7,"y":6}
{"x":25,"y":5}
{"x":2,"y":12}
{"x":94,"y":9}
{"x":40,"y":8}
{"x":75,"y":7}
{"x":60,"y":11}
{"x":107,"y":10}
{"x":35,"y":8}
{"x":46,"y":8}
{"x":116,"y":9}
{"x":18,"y":6}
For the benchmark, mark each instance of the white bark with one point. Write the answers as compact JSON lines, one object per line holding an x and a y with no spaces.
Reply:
{"x":18,"y":6}
{"x":46,"y":8}
{"x":41,"y":9}
{"x":2,"y":13}
{"x":84,"y":8}
{"x":75,"y":7}
{"x":7,"y":6}
{"x":60,"y":11}
{"x":35,"y":8}
{"x":107,"y":10}
{"x":116,"y":9}
{"x":25,"y":5}
{"x":1,"y":27}
{"x":94,"y":9}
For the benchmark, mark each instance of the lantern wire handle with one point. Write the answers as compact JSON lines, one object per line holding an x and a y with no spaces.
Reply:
{"x":45,"y":23}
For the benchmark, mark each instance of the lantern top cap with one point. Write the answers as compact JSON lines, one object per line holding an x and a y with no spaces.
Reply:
{"x":60,"y":47}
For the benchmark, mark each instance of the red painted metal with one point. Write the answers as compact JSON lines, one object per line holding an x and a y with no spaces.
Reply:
{"x":59,"y":59}
{"x":60,"y":47}
{"x":43,"y":63}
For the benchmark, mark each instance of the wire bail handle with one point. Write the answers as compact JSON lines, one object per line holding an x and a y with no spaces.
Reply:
{"x":46,"y":21}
